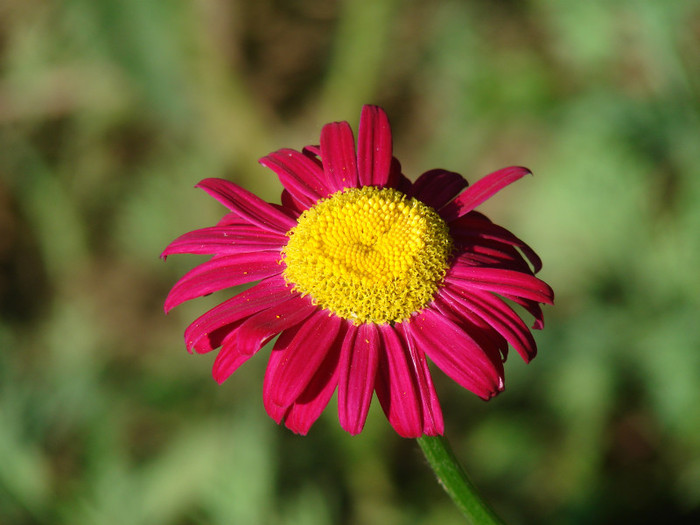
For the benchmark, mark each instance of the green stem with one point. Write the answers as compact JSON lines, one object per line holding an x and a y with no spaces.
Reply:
{"x":454,"y":480}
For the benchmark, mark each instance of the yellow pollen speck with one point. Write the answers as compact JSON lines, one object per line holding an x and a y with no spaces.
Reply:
{"x":369,"y":255}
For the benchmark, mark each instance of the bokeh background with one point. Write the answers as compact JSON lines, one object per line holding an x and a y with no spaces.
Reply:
{"x":111,"y":111}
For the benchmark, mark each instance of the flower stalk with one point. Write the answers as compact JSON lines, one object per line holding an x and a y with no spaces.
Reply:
{"x":455,"y":481}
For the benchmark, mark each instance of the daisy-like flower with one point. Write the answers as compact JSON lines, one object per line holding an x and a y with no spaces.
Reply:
{"x":363,"y":274}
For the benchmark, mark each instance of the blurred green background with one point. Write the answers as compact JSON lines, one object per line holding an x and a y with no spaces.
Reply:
{"x":111,"y":111}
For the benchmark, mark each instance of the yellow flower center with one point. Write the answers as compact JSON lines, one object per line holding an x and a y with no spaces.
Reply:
{"x":369,"y":255}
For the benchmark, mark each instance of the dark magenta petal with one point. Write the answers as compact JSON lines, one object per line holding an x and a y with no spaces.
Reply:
{"x":491,"y":342}
{"x":233,"y":219}
{"x":276,"y":412}
{"x":499,"y":316}
{"x":481,"y":191}
{"x":459,"y":314}
{"x":248,"y":205}
{"x":437,"y":187}
{"x":374,"y":147}
{"x":308,"y":407}
{"x":471,"y":322}
{"x":358,"y":369}
{"x":398,"y":180}
{"x":296,"y":356}
{"x":250,"y":336}
{"x":396,"y":387}
{"x":223,"y":272}
{"x":493,"y":255}
{"x":205,"y":333}
{"x":258,"y":329}
{"x":471,"y":228}
{"x":404,"y":387}
{"x":302,"y":177}
{"x":229,"y":358}
{"x":226,"y":240}
{"x":292,"y":205}
{"x":338,"y":154}
{"x":456,"y":354}
{"x":433,"y":424}
{"x":312,"y":151}
{"x":533,"y":308}
{"x":500,"y":281}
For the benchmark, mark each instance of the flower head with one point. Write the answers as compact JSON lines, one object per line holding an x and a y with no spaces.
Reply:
{"x":363,"y":274}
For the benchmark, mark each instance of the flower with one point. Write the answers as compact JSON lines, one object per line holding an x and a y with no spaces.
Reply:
{"x":363,"y":274}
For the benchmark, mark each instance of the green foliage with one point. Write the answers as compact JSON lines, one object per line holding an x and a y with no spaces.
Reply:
{"x":111,"y":111}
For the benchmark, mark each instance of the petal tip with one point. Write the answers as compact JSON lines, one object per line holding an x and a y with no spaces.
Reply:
{"x":218,"y":377}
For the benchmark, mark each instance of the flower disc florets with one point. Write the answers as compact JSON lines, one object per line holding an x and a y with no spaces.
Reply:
{"x":369,"y":255}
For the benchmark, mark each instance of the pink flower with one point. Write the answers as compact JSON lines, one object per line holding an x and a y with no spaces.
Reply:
{"x":363,"y":274}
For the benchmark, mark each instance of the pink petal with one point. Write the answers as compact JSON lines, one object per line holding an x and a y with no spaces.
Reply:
{"x":246,"y":339}
{"x":229,"y":358}
{"x":472,"y":228}
{"x":208,"y":331}
{"x":481,"y":191}
{"x":297,"y":355}
{"x":258,"y":329}
{"x":308,"y":407}
{"x":226,"y":240}
{"x":276,"y":412}
{"x":302,"y":177}
{"x":462,"y":313}
{"x":223,"y":272}
{"x":433,"y":424}
{"x":437,"y":187}
{"x":533,"y":307}
{"x":374,"y":147}
{"x":456,"y":354}
{"x":500,"y":316}
{"x":233,"y":219}
{"x":248,"y":205}
{"x":498,"y":280}
{"x":292,"y":205}
{"x":493,"y":343}
{"x":338,"y":153}
{"x":396,"y":386}
{"x":311,"y":151}
{"x":398,"y":180}
{"x":493,"y":255}
{"x":358,"y":370}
